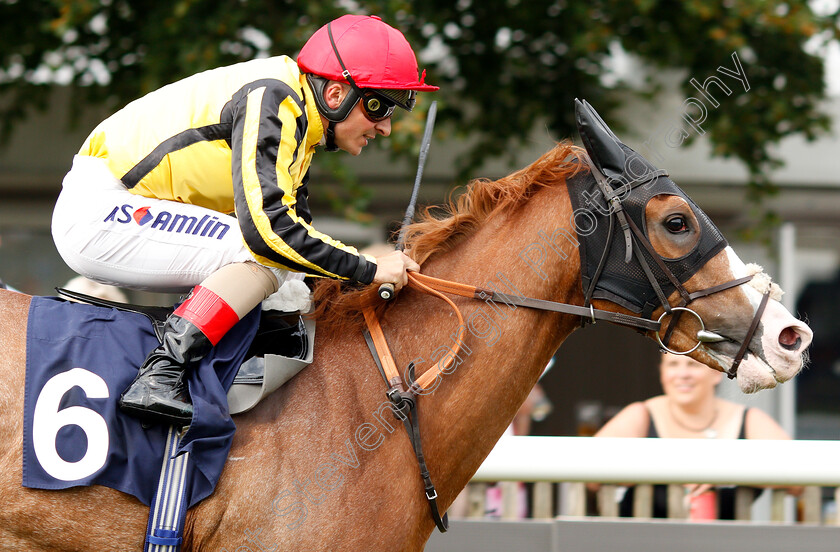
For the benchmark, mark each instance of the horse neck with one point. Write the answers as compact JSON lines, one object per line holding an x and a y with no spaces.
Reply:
{"x":506,"y":349}
{"x":469,"y":409}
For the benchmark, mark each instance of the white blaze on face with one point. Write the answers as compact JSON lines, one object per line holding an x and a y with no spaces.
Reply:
{"x":739,"y":270}
{"x":783,"y":337}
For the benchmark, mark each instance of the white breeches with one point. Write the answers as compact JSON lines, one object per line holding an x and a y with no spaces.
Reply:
{"x":108,"y":234}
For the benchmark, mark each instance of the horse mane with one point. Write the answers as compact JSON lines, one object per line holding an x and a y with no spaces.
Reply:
{"x":441,"y":228}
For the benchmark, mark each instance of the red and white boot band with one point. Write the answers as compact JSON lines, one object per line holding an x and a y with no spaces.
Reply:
{"x":209,"y":312}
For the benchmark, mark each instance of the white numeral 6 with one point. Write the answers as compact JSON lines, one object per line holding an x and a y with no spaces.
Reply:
{"x":48,"y":420}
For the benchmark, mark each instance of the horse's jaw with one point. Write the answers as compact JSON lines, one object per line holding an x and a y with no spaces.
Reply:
{"x":754,"y":373}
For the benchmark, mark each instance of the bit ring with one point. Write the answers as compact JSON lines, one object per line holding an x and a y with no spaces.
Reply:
{"x":659,"y":339}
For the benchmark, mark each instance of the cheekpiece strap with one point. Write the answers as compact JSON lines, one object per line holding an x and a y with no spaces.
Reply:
{"x":330,"y":136}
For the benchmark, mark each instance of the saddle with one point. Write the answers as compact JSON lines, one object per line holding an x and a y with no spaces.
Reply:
{"x":282,"y":347}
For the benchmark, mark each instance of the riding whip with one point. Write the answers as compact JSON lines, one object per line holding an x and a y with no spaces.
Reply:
{"x":386,"y":291}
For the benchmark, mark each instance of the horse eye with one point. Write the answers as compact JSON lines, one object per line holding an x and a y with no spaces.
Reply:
{"x":676,"y":224}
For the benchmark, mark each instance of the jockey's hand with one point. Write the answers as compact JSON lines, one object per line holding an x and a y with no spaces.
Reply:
{"x":391,"y":268}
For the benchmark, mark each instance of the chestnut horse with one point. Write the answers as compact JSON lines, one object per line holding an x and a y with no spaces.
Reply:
{"x":321,"y":464}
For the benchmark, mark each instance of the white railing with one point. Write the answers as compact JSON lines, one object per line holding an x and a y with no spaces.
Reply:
{"x":611,"y":461}
{"x":614,"y":460}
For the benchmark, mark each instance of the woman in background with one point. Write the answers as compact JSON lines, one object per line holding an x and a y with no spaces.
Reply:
{"x":689,"y":409}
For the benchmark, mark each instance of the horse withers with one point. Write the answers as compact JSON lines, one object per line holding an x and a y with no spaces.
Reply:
{"x":322,"y":463}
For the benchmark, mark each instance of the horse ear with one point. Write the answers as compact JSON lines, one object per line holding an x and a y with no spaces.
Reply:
{"x":602,"y":145}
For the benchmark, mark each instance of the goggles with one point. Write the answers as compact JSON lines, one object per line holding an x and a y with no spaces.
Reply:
{"x":375,"y":107}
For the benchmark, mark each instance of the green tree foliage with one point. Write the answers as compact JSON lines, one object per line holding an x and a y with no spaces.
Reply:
{"x":503,"y":65}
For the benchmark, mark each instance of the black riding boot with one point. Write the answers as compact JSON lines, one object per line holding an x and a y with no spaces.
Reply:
{"x":159,"y":393}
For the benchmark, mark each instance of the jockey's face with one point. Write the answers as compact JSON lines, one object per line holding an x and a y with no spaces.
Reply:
{"x":353,"y":133}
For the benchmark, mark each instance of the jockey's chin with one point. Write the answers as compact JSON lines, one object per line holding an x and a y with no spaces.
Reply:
{"x":354,"y":133}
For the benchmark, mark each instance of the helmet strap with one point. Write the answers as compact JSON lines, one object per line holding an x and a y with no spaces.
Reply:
{"x":406,"y":102}
{"x":344,"y":71}
{"x":330,"y":135}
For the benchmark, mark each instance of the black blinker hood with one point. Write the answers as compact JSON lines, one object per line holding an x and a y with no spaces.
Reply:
{"x":635,"y":180}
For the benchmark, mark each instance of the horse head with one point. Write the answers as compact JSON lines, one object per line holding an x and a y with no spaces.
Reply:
{"x":647,"y":248}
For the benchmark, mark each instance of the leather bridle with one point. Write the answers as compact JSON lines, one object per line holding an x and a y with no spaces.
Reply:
{"x":587,"y":312}
{"x":632,"y":234}
{"x":403,"y":399}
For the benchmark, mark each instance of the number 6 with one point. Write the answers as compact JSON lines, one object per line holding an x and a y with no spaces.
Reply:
{"x":47,"y":420}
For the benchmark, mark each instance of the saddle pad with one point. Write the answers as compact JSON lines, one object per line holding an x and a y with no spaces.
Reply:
{"x":80,"y":358}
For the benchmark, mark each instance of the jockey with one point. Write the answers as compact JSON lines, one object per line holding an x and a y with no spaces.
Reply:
{"x":145,"y":204}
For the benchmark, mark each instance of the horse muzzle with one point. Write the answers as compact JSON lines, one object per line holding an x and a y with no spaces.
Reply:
{"x":776,"y":353}
{"x":784,"y":341}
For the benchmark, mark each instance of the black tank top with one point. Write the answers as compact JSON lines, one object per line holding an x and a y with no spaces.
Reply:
{"x":726,"y":495}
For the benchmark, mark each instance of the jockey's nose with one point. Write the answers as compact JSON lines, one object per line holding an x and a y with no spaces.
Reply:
{"x":383,"y":127}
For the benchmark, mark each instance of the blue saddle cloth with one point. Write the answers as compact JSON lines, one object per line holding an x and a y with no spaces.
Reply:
{"x":80,"y":358}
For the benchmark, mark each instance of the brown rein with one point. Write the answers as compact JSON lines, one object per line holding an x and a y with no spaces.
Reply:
{"x":433,"y":286}
{"x":437,"y":287}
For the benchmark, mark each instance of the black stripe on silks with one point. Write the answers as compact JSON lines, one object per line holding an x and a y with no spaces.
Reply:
{"x":302,"y":200}
{"x":322,"y":255}
{"x":209,"y":133}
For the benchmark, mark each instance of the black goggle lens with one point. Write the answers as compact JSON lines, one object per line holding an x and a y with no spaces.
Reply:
{"x":376,"y":107}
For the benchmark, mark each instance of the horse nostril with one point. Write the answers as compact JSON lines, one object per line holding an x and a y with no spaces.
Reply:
{"x":790,"y":339}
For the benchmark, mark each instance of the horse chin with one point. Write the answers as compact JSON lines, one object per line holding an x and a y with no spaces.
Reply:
{"x":754,"y":373}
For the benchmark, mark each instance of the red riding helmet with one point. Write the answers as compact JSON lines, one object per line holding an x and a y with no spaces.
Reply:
{"x":372,"y":57}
